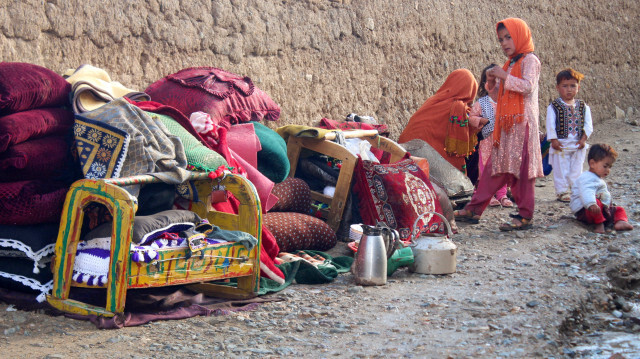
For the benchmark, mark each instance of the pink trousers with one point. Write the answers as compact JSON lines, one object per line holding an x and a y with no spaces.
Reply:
{"x":522,"y":187}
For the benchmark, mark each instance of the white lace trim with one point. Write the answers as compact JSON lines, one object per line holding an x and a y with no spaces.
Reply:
{"x":44,"y":289}
{"x":35,"y":256}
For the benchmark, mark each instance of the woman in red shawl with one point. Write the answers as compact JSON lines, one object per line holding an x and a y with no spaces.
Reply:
{"x":443,"y":120}
{"x":515,"y":158}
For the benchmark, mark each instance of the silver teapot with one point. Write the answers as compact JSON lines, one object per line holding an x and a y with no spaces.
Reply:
{"x":376,"y":246}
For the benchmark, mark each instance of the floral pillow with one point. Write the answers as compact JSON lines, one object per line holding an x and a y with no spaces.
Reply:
{"x":396,"y":194}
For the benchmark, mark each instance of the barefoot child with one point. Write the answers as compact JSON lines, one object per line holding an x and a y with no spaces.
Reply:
{"x":590,"y":198}
{"x":569,"y":126}
{"x":483,"y":113}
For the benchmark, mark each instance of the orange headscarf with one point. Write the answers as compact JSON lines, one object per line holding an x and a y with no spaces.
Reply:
{"x":442,"y":121}
{"x":510,"y":107}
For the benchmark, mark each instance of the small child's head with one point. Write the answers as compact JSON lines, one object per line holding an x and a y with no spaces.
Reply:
{"x":568,"y":84}
{"x":601,"y":158}
{"x":482,"y":91}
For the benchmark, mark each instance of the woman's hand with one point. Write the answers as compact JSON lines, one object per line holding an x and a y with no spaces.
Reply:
{"x":498,"y":72}
{"x":483,"y":121}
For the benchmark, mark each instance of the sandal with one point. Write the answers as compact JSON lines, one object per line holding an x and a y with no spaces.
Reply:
{"x":564,"y":197}
{"x":525,"y":223}
{"x":468,"y":217}
{"x":506,"y":202}
{"x":494,"y":202}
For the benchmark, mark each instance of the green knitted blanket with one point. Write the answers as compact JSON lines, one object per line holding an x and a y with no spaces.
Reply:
{"x":199,"y":156}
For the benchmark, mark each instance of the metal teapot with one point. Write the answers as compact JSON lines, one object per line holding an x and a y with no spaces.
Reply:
{"x":376,"y":246}
{"x":433,"y":253}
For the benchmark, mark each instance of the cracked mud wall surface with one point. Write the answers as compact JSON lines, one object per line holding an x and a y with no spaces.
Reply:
{"x":320,"y":58}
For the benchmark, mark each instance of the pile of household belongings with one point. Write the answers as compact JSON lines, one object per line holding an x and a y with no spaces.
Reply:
{"x":56,"y":129}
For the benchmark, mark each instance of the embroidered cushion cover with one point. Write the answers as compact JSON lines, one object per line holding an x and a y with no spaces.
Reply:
{"x":396,"y":194}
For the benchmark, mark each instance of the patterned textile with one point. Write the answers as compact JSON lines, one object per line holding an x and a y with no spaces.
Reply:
{"x":227,"y":97}
{"x":396,"y":194}
{"x":31,"y":202}
{"x":43,"y":158}
{"x":569,"y":119}
{"x":294,"y":195}
{"x":93,"y":256}
{"x":295,"y":231}
{"x":101,"y":148}
{"x":488,"y":112}
{"x":510,"y":107}
{"x":152,"y":149}
{"x":199,"y":156}
{"x":27,"y":125}
{"x":26,"y":86}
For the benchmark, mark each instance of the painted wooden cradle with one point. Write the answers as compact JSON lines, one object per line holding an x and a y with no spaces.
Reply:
{"x":173,"y":267}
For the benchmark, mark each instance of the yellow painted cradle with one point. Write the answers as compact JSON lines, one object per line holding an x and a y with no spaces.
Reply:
{"x":174,"y":266}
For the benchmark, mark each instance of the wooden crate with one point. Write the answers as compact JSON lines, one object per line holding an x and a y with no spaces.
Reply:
{"x":327,"y":147}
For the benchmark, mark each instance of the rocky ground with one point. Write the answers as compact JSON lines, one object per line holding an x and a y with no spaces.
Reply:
{"x":556,"y":291}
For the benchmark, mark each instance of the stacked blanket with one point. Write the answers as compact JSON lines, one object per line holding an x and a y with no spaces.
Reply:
{"x":36,"y":169}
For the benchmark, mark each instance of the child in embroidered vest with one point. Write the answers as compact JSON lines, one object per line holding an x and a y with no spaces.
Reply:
{"x":482,"y":115}
{"x":569,"y":126}
{"x":591,"y":200}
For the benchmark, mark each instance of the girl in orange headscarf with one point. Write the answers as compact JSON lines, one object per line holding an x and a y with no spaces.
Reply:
{"x":443,"y":120}
{"x":515,"y":157}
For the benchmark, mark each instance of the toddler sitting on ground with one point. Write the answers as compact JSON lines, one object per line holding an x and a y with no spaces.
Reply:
{"x":591,"y":200}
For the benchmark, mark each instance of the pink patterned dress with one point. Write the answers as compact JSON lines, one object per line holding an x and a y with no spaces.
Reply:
{"x":508,"y":156}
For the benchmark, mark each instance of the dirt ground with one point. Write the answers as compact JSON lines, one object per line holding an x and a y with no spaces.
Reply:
{"x":557,"y":291}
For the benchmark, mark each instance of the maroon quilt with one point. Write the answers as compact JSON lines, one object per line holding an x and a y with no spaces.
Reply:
{"x":27,"y":86}
{"x":396,"y":194}
{"x":31,"y":124}
{"x":31,"y":202}
{"x":42,"y":158}
{"x":228,"y":98}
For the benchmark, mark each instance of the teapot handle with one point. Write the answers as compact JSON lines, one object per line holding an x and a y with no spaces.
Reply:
{"x":449,"y":232}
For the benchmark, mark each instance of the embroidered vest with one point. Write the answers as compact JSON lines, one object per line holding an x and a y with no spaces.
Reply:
{"x":569,"y":119}
{"x":488,"y":112}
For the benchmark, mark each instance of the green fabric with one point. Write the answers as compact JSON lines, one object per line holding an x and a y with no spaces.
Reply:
{"x":272,"y":159}
{"x":304,"y":272}
{"x":198,"y":155}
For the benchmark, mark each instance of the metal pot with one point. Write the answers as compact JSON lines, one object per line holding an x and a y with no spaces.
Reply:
{"x":376,"y":246}
{"x":433,"y":253}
